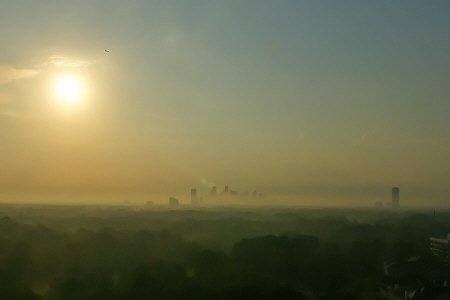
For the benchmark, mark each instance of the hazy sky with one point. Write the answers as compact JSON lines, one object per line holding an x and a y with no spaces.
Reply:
{"x":308,"y":101}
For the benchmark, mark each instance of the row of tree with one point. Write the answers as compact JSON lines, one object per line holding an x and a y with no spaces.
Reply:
{"x":344,"y":261}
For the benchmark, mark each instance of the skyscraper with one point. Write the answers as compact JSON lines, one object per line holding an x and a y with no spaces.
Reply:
{"x":225,"y":192}
{"x":193,"y":196}
{"x":213,"y":191}
{"x":395,"y":197}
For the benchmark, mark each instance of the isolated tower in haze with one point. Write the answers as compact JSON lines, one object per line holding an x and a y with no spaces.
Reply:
{"x":213,"y":191}
{"x":193,"y":196}
{"x":395,"y":197}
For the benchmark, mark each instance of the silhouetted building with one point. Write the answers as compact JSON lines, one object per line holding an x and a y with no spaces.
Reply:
{"x":225,"y":191}
{"x":233,"y":193}
{"x":213,"y":191}
{"x":395,"y":197}
{"x":254,"y":194}
{"x":440,"y":249}
{"x":194,"y":199}
{"x":173,"y":201}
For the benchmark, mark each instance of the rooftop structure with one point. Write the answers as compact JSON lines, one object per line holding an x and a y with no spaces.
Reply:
{"x":173,"y":201}
{"x":440,"y":248}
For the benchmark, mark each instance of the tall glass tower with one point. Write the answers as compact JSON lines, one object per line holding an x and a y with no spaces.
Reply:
{"x":194,"y":196}
{"x":395,"y":197}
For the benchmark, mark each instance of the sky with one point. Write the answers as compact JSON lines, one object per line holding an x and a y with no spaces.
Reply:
{"x":308,"y":102}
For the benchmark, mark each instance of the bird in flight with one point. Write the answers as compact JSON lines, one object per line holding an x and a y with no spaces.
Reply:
{"x":106,"y":50}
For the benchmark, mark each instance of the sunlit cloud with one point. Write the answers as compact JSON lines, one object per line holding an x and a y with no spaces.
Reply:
{"x":61,"y":61}
{"x":9,"y":74}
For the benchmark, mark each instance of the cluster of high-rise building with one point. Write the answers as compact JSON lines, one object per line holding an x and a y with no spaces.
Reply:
{"x":195,"y":199}
{"x":228,"y":192}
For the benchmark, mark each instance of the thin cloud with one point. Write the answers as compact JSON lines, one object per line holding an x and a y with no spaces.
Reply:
{"x":7,"y":114}
{"x":9,"y":74}
{"x":61,"y":61}
{"x":4,"y":99}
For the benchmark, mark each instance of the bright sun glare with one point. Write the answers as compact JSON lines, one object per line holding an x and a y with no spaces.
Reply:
{"x":68,"y":89}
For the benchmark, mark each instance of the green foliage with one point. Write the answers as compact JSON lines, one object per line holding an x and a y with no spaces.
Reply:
{"x":206,"y":254}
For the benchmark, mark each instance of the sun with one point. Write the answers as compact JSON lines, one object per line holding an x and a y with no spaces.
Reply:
{"x":68,"y":89}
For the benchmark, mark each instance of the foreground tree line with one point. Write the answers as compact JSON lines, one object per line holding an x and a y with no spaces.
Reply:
{"x":344,"y":261}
